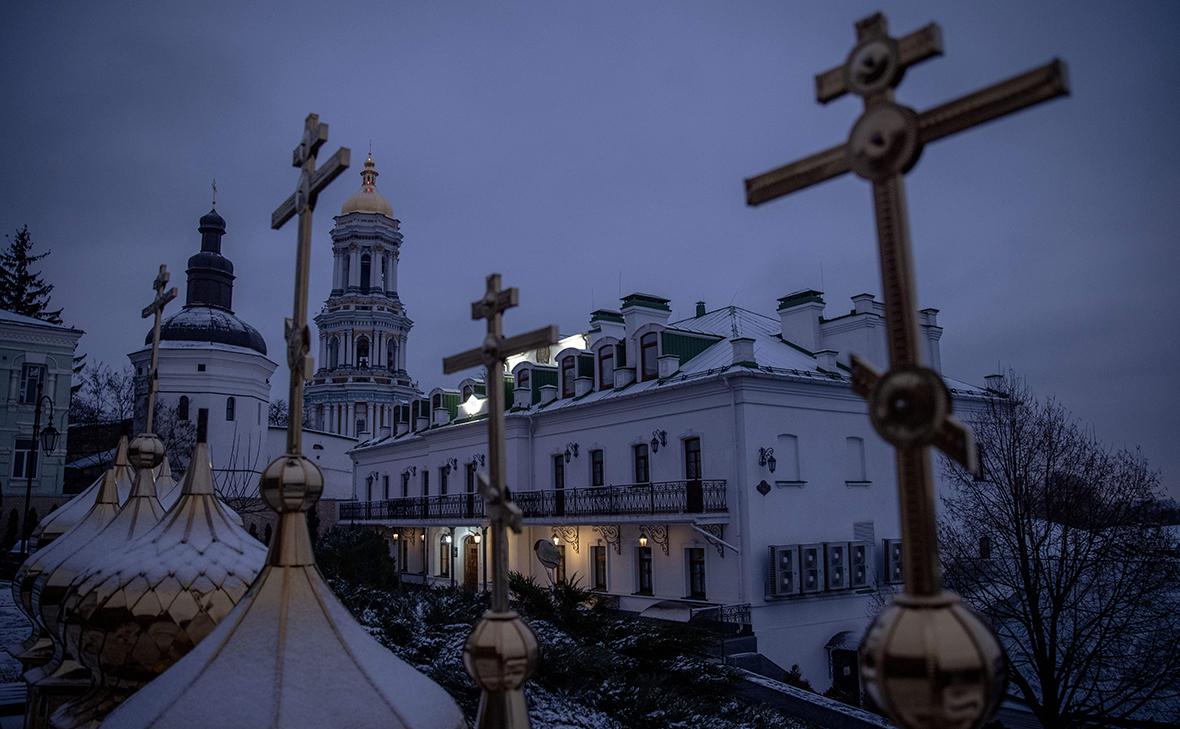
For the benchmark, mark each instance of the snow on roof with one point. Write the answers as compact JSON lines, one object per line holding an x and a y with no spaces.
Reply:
{"x":11,"y":317}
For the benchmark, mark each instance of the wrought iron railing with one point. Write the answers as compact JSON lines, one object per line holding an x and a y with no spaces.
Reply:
{"x":696,"y":496}
{"x":733,"y":615}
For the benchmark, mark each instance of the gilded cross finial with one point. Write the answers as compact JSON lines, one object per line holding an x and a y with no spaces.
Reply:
{"x":904,"y":650}
{"x":214,"y":192}
{"x":156,"y":309}
{"x":500,"y":652}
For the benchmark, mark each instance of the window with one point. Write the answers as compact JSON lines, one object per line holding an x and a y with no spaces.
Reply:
{"x":855,"y":461}
{"x":597,"y":477}
{"x":598,"y":567}
{"x":366,"y":272}
{"x":606,"y":367}
{"x":200,"y":367}
{"x":391,"y":355}
{"x":347,"y":264}
{"x":385,"y":486}
{"x":182,"y":408}
{"x":23,"y":465}
{"x":469,"y":477}
{"x":444,"y":557}
{"x":786,"y":452}
{"x":692,"y":459}
{"x":649,"y":353}
{"x":522,"y":380}
{"x":643,"y":569}
{"x":559,"y":571}
{"x":567,"y":376}
{"x":369,"y":487}
{"x":31,"y":379}
{"x":559,"y":471}
{"x":333,"y":353}
{"x":443,"y":473}
{"x":405,"y":484}
{"x":639,"y":455}
{"x":229,"y":408}
{"x":362,"y":352}
{"x":426,"y":482}
{"x":696,"y":572}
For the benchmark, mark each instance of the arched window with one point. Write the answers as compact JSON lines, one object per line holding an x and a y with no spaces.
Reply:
{"x":567,"y":376}
{"x":522,"y":380}
{"x":229,"y":408}
{"x":366,"y":272}
{"x":649,"y":352}
{"x":333,"y":353}
{"x":182,"y":408}
{"x":391,"y":358}
{"x":362,"y":352}
{"x":606,"y":367}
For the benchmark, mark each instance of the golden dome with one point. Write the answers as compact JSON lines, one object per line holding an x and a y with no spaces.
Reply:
{"x":167,"y":488}
{"x":290,"y":654}
{"x":62,"y":519}
{"x":137,"y":616}
{"x":367,"y":199}
{"x":28,"y":582}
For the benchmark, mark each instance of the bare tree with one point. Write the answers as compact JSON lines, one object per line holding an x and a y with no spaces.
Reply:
{"x":278,"y":412}
{"x":103,"y":394}
{"x":1059,"y":544}
{"x":236,"y":482}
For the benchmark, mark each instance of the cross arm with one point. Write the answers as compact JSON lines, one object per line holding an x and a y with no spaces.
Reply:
{"x":797,"y":175}
{"x":508,"y":346}
{"x":329,"y":171}
{"x":158,"y":304}
{"x":921,"y":45}
{"x":992,"y":102}
{"x":505,"y":299}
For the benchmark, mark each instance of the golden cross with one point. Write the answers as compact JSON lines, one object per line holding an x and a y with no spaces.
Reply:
{"x":501,"y":649}
{"x":156,"y":308}
{"x":909,"y":404}
{"x":312,"y":181}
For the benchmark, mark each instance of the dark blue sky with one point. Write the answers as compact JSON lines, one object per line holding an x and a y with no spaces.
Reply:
{"x":574,"y":146}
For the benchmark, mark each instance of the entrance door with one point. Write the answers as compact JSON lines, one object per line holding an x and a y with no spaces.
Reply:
{"x":558,"y":485}
{"x":846,"y":675}
{"x":470,"y":564}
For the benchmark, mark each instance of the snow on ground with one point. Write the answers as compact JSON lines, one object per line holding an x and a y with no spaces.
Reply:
{"x":14,"y":628}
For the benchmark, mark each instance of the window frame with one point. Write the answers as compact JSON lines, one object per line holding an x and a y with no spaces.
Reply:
{"x":640,"y":453}
{"x":23,"y":457}
{"x":650,"y":340}
{"x":569,"y":371}
{"x":606,"y":381}
{"x":598,"y":568}
{"x":644,"y":568}
{"x":30,"y":384}
{"x":696,"y":557}
{"x":693,"y":459}
{"x":597,"y":468}
{"x":231,"y":407}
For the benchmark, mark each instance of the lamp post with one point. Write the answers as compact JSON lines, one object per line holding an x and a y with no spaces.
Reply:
{"x":49,"y":438}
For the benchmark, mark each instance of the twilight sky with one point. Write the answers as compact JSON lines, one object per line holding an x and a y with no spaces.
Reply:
{"x":590,"y":149}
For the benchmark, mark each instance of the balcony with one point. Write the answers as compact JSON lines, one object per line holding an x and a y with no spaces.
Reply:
{"x":658,"y":499}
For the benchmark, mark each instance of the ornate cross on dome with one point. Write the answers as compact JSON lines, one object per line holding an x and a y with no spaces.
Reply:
{"x":156,"y":308}
{"x":907,"y":665}
{"x":501,"y":650}
{"x":312,"y":181}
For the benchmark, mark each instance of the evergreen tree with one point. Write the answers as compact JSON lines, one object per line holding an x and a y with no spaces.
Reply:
{"x":22,"y":290}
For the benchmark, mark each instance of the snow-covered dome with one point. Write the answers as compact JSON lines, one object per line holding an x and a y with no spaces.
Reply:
{"x":209,"y":324}
{"x":367,"y":199}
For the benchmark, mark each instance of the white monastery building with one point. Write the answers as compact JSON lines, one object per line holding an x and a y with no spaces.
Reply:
{"x":718,"y":467}
{"x":363,"y":325}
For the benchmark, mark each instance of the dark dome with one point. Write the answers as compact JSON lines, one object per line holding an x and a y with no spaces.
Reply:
{"x":209,"y":324}
{"x":211,"y":220}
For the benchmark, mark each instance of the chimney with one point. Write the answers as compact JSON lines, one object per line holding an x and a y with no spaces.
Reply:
{"x":640,"y":309}
{"x":800,"y":314}
{"x":700,"y":309}
{"x":743,"y":351}
{"x":826,"y":358}
{"x":928,"y":324}
{"x":608,"y":323}
{"x":995,"y":383}
{"x":624,"y":376}
{"x":668,"y":364}
{"x":522,"y":397}
{"x":862,"y":304}
{"x":583,"y":385}
{"x":548,"y":394}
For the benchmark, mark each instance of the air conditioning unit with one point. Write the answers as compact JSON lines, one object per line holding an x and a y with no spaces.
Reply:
{"x":811,"y":567}
{"x":858,"y":564}
{"x":836,"y":565}
{"x":783,"y":571}
{"x":892,"y":560}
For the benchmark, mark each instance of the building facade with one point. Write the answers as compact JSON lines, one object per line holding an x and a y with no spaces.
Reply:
{"x":35,"y":356}
{"x":363,"y":326}
{"x":712,"y":467}
{"x":213,"y":366}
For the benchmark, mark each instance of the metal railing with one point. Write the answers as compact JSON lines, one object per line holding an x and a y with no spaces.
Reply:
{"x":737,"y":615}
{"x":695,"y":496}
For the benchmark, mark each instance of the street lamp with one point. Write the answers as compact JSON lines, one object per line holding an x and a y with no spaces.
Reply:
{"x":48,"y":440}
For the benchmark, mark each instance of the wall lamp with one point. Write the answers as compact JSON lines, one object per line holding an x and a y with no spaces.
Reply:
{"x":451,"y":464}
{"x":658,"y":438}
{"x":766,"y":458}
{"x":571,"y":451}
{"x":643,"y":540}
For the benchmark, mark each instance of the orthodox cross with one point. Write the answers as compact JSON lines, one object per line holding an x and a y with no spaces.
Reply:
{"x":312,"y":181}
{"x":156,"y":308}
{"x":906,"y":654}
{"x":501,"y":650}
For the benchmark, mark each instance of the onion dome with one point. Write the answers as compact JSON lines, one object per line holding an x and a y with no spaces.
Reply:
{"x":290,"y":654}
{"x":167,"y":488}
{"x":367,"y":199}
{"x":62,"y":519}
{"x":29,"y":579}
{"x":135,"y":517}
{"x":139,"y":614}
